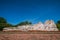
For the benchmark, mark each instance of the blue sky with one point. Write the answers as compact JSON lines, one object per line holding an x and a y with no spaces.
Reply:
{"x":16,"y":11}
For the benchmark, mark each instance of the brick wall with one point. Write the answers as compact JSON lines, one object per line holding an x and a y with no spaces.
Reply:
{"x":30,"y":36}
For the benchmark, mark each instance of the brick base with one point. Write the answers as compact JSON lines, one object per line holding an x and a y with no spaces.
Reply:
{"x":30,"y":36}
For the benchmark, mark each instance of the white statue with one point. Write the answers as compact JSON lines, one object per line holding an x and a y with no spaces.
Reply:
{"x":38,"y":26}
{"x":50,"y":25}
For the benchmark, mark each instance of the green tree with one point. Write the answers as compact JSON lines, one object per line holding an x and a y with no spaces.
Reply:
{"x":2,"y":23}
{"x":58,"y":24}
{"x":9,"y":25}
{"x":24,"y":23}
{"x":2,"y":20}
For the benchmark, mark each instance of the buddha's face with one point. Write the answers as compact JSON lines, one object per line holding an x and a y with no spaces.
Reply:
{"x":49,"y":22}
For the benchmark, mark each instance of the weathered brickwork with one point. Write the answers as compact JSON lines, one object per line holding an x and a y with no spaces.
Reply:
{"x":30,"y":36}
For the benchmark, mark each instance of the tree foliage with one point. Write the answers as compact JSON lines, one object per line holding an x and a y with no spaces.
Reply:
{"x":24,"y":23}
{"x":58,"y":24}
{"x":9,"y":25}
{"x":2,"y":20}
{"x":2,"y":23}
